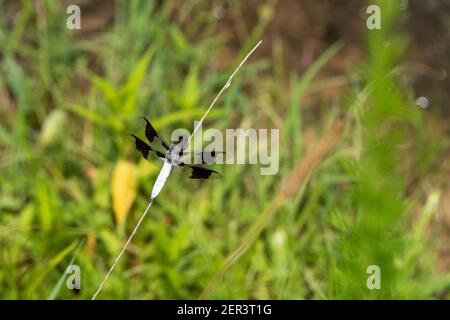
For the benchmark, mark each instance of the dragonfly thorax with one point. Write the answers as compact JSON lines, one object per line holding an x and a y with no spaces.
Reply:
{"x":174,"y":154}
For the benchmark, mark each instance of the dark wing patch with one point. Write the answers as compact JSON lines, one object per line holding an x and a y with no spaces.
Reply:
{"x":145,"y":149}
{"x":208,"y":157}
{"x":181,"y":139}
{"x":151,"y":133}
{"x":142,"y":147}
{"x":201,"y":173}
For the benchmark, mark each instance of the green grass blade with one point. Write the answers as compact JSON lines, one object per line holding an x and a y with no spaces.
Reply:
{"x":57,"y":288}
{"x":49,"y":267}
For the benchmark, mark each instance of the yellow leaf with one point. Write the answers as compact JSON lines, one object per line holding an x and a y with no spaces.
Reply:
{"x":123,"y":189}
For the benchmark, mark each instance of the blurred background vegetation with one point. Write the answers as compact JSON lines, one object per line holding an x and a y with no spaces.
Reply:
{"x":364,"y":165}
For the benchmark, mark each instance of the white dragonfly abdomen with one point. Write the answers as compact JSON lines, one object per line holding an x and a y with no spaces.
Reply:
{"x":161,"y":180}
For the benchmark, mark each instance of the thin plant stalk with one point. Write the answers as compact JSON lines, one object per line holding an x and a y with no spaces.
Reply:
{"x":116,"y":261}
{"x":227,"y":84}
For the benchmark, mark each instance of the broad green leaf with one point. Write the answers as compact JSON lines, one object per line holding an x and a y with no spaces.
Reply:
{"x":178,"y":38}
{"x":53,"y":127}
{"x":26,"y":216}
{"x":136,"y":77}
{"x":129,"y":91}
{"x":17,"y":81}
{"x":43,"y":196}
{"x":191,"y":90}
{"x":93,"y":116}
{"x":106,"y":88}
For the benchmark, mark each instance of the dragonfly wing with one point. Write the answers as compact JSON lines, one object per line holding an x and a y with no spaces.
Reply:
{"x":208,"y":157}
{"x":151,"y":133}
{"x":145,"y":149}
{"x":201,"y":173}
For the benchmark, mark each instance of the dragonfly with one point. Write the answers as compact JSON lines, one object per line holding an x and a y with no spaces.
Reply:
{"x":172,"y":158}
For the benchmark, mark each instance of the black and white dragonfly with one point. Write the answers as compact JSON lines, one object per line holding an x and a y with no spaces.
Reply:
{"x":172,"y":158}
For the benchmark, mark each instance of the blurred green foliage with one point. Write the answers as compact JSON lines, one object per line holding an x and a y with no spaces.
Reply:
{"x":379,"y":235}
{"x":71,"y":102}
